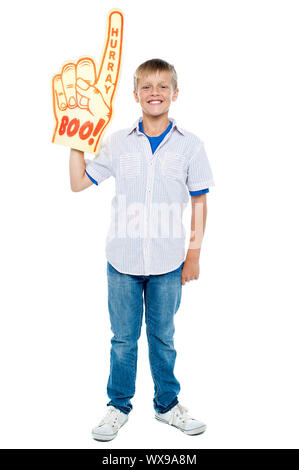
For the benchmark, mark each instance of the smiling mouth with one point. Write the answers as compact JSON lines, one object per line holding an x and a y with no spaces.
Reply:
{"x":152,"y":102}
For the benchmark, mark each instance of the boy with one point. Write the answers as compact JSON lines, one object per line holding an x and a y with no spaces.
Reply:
{"x":156,"y":164}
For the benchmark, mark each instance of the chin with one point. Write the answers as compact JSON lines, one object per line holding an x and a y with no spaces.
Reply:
{"x":156,"y":113}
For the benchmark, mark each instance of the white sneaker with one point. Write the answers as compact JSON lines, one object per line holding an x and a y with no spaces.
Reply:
{"x":110,"y":424}
{"x":179,"y":418}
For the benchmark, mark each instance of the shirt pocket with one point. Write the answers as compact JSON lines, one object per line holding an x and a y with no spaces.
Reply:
{"x":129,"y":165}
{"x":172,"y":165}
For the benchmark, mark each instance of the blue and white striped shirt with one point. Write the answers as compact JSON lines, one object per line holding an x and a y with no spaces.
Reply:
{"x":153,"y":183}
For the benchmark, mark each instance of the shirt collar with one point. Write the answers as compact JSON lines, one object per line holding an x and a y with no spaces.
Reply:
{"x":136,"y":126}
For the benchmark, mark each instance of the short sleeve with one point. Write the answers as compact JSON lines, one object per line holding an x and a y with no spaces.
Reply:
{"x":200,"y":175}
{"x":198,"y":193}
{"x":100,"y":168}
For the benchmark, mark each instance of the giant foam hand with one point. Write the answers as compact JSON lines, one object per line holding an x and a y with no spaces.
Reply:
{"x":83,"y":96}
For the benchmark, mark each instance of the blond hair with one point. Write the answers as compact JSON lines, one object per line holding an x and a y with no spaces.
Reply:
{"x":155,"y":65}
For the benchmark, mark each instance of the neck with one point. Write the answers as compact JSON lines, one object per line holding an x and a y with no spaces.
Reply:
{"x":154,"y":126}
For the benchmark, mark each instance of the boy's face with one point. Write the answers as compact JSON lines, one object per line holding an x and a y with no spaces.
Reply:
{"x":155,"y":93}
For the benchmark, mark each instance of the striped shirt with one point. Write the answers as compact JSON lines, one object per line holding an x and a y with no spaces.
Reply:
{"x":153,"y":184}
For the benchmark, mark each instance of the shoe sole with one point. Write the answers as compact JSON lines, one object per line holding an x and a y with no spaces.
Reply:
{"x":192,"y":432}
{"x":105,"y":437}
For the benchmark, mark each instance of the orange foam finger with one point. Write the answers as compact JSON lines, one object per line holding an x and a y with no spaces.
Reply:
{"x":82,"y":109}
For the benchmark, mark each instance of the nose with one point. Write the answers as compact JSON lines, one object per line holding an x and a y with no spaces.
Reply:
{"x":155,"y":91}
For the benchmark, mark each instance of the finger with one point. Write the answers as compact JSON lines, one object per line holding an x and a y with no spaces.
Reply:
{"x":86,"y":70}
{"x":93,"y":97}
{"x":60,"y":98}
{"x":69,"y":80}
{"x":110,"y":65}
{"x":86,"y":90}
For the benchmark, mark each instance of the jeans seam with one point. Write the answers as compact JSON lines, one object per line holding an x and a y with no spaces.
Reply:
{"x":140,"y":320}
{"x":149,"y":342}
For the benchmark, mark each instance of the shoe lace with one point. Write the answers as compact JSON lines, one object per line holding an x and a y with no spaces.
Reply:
{"x":111,"y":417}
{"x":180,"y":412}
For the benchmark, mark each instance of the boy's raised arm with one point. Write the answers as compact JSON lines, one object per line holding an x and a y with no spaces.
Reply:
{"x":78,"y":178}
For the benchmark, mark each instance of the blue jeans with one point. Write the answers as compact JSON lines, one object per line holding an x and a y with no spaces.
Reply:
{"x":162,"y":298}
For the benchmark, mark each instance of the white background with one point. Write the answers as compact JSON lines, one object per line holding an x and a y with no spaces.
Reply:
{"x":237,"y":327}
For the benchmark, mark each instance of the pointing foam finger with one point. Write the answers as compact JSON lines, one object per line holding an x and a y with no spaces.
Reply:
{"x":110,"y":65}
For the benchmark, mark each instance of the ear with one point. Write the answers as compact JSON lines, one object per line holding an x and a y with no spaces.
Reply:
{"x":175,"y":95}
{"x":136,"y":96}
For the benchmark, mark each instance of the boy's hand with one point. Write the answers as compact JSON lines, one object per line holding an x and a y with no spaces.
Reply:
{"x":82,"y":99}
{"x":190,"y":270}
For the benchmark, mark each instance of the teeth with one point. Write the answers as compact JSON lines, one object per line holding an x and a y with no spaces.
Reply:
{"x":155,"y":101}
